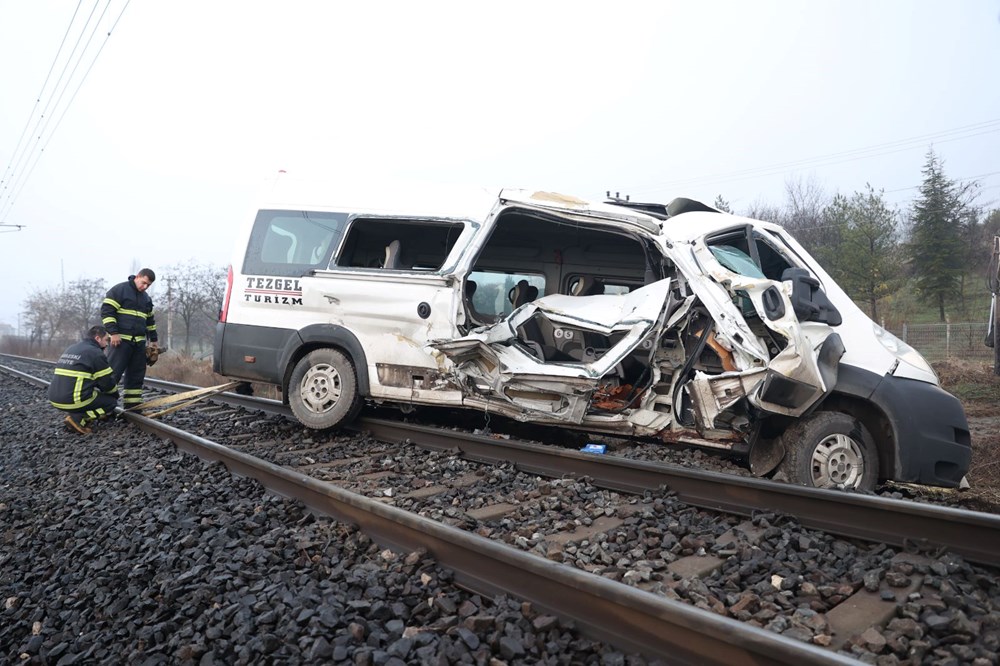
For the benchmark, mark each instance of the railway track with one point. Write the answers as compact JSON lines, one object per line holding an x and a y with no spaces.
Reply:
{"x":633,"y":492}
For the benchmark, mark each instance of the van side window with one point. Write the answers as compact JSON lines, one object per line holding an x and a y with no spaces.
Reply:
{"x":552,"y":255}
{"x":291,"y":243}
{"x":749,"y":253}
{"x":772,"y":262}
{"x":589,"y":285}
{"x":493,"y":294}
{"x":417,"y":245}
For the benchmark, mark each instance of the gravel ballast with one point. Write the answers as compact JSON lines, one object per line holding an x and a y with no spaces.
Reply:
{"x":117,"y":548}
{"x":771,"y":572}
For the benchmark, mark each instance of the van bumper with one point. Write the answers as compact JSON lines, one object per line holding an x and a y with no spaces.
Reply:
{"x":933,"y":444}
{"x":220,"y":334}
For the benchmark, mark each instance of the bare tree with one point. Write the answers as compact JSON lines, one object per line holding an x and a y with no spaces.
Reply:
{"x":805,"y":217}
{"x":196,"y":293}
{"x":83,"y":299}
{"x":46,"y":316}
{"x":763,"y":210}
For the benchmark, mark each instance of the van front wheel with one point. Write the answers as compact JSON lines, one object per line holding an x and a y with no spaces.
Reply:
{"x":829,"y":450}
{"x":323,"y":390}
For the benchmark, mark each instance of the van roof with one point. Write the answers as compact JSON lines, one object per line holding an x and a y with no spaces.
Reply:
{"x":688,"y":226}
{"x":471,"y":202}
{"x":449,"y":201}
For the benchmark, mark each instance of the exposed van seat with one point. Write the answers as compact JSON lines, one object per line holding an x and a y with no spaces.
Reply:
{"x":518,"y":295}
{"x":391,"y":255}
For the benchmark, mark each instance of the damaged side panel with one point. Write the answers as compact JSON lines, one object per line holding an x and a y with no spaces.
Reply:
{"x":691,"y":354}
{"x":512,"y":360}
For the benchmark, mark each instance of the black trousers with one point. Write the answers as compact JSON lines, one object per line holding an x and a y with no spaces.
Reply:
{"x":103,"y":405}
{"x":128,"y":362}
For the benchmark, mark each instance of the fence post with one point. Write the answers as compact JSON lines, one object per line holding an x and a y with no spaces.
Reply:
{"x":994,"y":278}
{"x":947,"y":337}
{"x":996,"y":346}
{"x":904,"y":331}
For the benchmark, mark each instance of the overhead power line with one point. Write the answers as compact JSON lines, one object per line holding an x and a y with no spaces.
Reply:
{"x":38,"y":100}
{"x":877,"y":150}
{"x":10,"y":189}
{"x":24,"y":164}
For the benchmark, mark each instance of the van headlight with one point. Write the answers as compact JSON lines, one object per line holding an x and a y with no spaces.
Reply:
{"x":902,"y":351}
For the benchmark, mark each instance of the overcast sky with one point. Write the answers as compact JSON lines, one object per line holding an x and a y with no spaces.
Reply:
{"x":189,"y":106}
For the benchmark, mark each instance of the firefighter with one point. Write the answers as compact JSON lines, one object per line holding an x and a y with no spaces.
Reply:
{"x":127,"y":312}
{"x":84,"y":383}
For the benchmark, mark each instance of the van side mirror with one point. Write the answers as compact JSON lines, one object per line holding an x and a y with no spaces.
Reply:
{"x":809,"y":302}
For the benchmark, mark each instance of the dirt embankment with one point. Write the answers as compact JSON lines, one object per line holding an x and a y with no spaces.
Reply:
{"x":974,"y":383}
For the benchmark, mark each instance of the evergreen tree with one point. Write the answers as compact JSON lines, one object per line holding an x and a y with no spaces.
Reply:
{"x":936,"y":237}
{"x":868,"y":264}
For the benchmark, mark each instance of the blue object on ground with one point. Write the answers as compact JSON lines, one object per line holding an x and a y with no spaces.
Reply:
{"x":594,"y":448}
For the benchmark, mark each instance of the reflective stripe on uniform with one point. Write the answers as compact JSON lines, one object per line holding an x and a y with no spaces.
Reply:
{"x":76,"y":405}
{"x":80,"y":376}
{"x":119,"y":310}
{"x":94,"y":414}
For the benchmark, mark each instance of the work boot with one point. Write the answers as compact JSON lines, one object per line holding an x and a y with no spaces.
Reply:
{"x":76,"y":425}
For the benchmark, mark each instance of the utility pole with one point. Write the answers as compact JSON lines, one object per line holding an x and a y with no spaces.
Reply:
{"x":170,"y":312}
{"x":994,"y":278}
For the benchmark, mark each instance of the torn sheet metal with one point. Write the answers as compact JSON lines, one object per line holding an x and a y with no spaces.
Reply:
{"x":712,"y":394}
{"x":494,"y":361}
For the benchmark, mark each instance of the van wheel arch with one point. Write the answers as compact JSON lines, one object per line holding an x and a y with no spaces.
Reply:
{"x":875,"y":421}
{"x":320,"y":336}
{"x":829,"y":449}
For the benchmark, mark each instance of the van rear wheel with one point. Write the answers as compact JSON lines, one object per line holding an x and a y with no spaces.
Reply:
{"x":829,"y":450}
{"x":323,"y":390}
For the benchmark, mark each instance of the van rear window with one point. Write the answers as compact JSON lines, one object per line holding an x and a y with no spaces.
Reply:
{"x":291,"y":243}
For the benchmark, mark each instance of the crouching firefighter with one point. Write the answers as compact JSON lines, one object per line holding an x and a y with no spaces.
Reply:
{"x":127,"y":312}
{"x":84,"y":383}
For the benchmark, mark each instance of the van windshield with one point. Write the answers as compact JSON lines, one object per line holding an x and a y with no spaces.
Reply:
{"x":736,"y":260}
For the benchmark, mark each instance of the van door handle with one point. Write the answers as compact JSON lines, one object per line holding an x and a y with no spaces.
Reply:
{"x":774,"y":307}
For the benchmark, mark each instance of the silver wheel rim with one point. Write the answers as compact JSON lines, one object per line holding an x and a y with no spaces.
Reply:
{"x":837,"y":462}
{"x":320,"y":388}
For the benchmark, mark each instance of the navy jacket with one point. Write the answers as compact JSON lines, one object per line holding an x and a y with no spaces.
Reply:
{"x":82,"y":373}
{"x":128,"y":312}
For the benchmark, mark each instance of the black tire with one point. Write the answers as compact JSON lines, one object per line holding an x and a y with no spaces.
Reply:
{"x":829,"y":450}
{"x":323,"y":390}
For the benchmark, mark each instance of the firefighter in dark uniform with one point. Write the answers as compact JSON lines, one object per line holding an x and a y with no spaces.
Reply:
{"x":127,"y":312}
{"x":84,"y":383}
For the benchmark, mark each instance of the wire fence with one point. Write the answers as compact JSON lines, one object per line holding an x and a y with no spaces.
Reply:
{"x":937,"y":342}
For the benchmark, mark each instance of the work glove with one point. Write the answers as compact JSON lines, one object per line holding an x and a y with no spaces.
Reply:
{"x":153,"y":353}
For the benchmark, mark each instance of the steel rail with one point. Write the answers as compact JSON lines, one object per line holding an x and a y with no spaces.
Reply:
{"x":626,"y":617}
{"x":909,"y":525}
{"x":973,"y":534}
